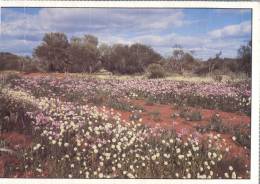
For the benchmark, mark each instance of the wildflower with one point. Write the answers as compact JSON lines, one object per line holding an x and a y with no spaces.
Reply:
{"x":211,"y":173}
{"x":39,"y":170}
{"x":178,"y":150}
{"x":234,"y":176}
{"x":100,"y":175}
{"x":130,"y":175}
{"x":226,"y":175}
{"x":188,"y":175}
{"x":66,"y":144}
{"x":180,"y":156}
{"x":230,"y":168}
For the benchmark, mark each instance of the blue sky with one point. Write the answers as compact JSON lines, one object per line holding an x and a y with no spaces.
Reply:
{"x":204,"y":31}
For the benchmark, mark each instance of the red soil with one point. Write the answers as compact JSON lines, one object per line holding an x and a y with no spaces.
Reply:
{"x":15,"y":142}
{"x":185,"y":128}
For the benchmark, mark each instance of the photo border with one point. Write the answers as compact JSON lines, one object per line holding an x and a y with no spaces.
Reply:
{"x":255,"y":6}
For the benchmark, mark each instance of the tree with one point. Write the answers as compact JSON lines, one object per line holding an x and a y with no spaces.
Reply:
{"x":53,"y":52}
{"x":245,"y":57}
{"x":125,"y":59}
{"x":143,"y":55}
{"x":84,"y":54}
{"x":178,"y":53}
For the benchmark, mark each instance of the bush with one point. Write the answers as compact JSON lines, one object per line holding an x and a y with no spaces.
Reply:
{"x":155,"y":71}
{"x":190,"y":116}
{"x":218,"y":78}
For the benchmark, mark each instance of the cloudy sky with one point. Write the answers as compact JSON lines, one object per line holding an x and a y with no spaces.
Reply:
{"x":205,"y":31}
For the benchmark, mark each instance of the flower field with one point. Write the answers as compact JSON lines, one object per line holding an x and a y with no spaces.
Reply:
{"x":84,"y":127}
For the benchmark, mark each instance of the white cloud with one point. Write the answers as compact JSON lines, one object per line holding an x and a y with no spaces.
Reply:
{"x":154,"y":27}
{"x":236,"y":30}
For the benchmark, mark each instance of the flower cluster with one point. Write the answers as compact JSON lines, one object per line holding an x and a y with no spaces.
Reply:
{"x":77,"y":140}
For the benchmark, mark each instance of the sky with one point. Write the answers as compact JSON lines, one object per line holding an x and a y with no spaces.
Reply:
{"x":203,"y":31}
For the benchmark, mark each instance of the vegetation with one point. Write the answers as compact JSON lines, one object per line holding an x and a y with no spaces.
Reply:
{"x":155,"y":71}
{"x":84,"y":54}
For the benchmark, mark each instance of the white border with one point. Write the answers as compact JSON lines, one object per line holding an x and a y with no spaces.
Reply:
{"x":174,"y":4}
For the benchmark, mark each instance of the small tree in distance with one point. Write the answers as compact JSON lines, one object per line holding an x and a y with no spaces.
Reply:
{"x":245,"y":56}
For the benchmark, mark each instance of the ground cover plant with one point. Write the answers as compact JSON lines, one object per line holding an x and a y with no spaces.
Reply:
{"x":85,"y":127}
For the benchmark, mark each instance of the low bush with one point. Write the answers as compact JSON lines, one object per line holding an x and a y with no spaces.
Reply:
{"x":99,"y":98}
{"x":155,"y":71}
{"x":218,"y":78}
{"x":156,"y":115}
{"x":190,"y":115}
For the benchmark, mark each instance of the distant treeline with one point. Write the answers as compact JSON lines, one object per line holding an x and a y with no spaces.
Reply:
{"x":84,"y":54}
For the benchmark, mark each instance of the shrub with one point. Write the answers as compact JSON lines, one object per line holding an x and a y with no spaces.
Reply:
{"x":190,"y":116}
{"x":155,"y":71}
{"x":99,"y":98}
{"x":119,"y":105}
{"x":195,"y":116}
{"x":242,"y":135}
{"x":156,"y":115}
{"x":218,"y":78}
{"x":216,"y":124}
{"x":149,"y":101}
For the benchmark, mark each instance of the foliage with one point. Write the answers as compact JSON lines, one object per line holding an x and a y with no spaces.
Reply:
{"x":245,"y":55}
{"x":126,"y":59}
{"x":53,"y":52}
{"x":190,"y":115}
{"x":84,"y":54}
{"x":155,"y":71}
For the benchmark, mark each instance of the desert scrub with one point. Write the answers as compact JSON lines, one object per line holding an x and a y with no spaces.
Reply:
{"x":189,"y":115}
{"x":150,"y":101}
{"x":98,"y":98}
{"x":155,"y":115}
{"x":122,"y":105}
{"x":13,"y":108}
{"x":155,"y":71}
{"x":241,"y":135}
{"x":216,"y":124}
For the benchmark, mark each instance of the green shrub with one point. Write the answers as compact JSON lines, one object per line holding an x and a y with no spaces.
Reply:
{"x":190,"y":115}
{"x":195,"y":116}
{"x":98,"y":99}
{"x":218,"y":78}
{"x":155,"y":71}
{"x":149,"y":101}
{"x":156,"y":115}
